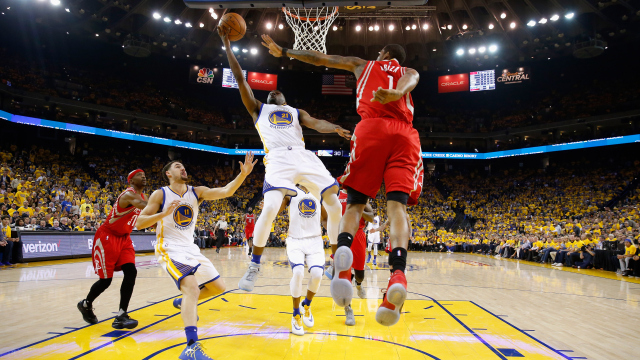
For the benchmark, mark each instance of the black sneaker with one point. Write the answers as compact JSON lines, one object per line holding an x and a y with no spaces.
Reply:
{"x":124,"y":322}
{"x":87,"y":313}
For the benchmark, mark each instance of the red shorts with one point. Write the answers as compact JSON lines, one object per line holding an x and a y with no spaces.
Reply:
{"x":248,"y":232}
{"x":110,"y":252}
{"x":389,"y":150}
{"x":359,"y":250}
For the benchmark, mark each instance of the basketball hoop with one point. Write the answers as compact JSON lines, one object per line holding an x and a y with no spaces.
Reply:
{"x":310,"y":26}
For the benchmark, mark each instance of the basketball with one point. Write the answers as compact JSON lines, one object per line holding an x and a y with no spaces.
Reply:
{"x":236,"y":23}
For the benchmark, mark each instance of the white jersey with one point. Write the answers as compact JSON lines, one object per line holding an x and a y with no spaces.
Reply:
{"x":374,"y":236}
{"x":177,"y":228}
{"x":304,"y":216}
{"x":279,"y":127}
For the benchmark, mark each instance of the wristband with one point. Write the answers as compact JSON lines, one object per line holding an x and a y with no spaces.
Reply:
{"x":284,"y":51}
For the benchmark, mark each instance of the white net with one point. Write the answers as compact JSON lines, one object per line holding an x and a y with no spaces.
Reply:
{"x":310,"y":26}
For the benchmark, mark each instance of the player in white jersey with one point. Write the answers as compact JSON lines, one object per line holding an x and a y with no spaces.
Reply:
{"x":304,"y":243}
{"x":174,"y":211}
{"x":374,"y":229}
{"x":286,"y":161}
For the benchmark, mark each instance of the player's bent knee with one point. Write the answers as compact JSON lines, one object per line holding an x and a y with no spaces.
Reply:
{"x":316,"y":277}
{"x":355,"y":197}
{"x":129,"y":270}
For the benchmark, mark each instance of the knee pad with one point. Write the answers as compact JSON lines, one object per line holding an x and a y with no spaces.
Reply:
{"x":398,"y":196}
{"x":355,"y":197}
{"x":296,"y":281}
{"x":316,"y":276}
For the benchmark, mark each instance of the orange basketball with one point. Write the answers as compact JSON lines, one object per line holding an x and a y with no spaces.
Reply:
{"x":237,"y":25}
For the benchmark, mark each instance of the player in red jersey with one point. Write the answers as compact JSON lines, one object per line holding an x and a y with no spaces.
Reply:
{"x":250,"y":223}
{"x":384,"y":146}
{"x":113,"y":251}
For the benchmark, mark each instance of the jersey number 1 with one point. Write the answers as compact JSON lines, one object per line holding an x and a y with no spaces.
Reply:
{"x":390,"y":82}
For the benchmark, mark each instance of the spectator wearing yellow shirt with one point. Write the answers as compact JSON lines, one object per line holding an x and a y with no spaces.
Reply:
{"x":629,"y":252}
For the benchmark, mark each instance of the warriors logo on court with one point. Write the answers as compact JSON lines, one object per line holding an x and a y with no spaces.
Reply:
{"x":307,"y":208}
{"x":280,"y":119}
{"x":183,"y":216}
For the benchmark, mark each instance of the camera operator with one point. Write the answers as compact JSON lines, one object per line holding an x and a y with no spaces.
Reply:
{"x":586,"y":257}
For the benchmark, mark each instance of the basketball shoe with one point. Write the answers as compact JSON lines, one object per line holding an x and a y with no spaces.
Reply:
{"x":341,"y":288}
{"x":296,"y":325}
{"x":307,"y":317}
{"x":248,"y":281}
{"x":389,"y":311}
{"x":194,"y":351}
{"x":123,"y":321}
{"x":87,"y":312}
{"x":350,"y":320}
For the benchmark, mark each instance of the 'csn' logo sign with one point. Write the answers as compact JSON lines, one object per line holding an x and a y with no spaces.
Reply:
{"x":205,"y":76}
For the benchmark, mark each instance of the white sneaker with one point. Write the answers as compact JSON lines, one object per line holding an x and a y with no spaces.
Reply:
{"x":350,"y":320}
{"x":248,"y":281}
{"x":559,"y":265}
{"x":362,"y":294}
{"x":307,"y":317}
{"x":296,"y":326}
{"x":342,"y":289}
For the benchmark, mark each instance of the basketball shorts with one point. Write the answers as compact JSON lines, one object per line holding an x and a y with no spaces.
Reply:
{"x":248,"y":232}
{"x":389,"y":150}
{"x":310,"y":250}
{"x":358,"y":248}
{"x":183,"y":260}
{"x":110,"y":252}
{"x":285,"y":168}
{"x":374,"y":238}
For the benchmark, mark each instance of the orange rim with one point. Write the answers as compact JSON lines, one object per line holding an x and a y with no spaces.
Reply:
{"x":304,"y":18}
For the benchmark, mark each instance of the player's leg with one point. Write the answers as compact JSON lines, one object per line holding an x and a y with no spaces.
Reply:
{"x":103,"y":265}
{"x":358,"y":248}
{"x":127,"y":263}
{"x":315,"y":261}
{"x":189,"y":312}
{"x":209,"y":281}
{"x":250,"y":244}
{"x":375,"y":246}
{"x":369,"y":246}
{"x":295,"y":254}
{"x":272,"y":202}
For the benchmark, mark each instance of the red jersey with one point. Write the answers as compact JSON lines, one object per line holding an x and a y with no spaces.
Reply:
{"x":384,"y":74}
{"x":342,"y":196}
{"x":123,"y":219}
{"x":250,"y":221}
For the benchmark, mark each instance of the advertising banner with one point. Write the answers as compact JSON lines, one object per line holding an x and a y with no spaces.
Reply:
{"x":521,"y":75}
{"x":202,"y":75}
{"x":453,"y":83}
{"x":38,"y":245}
{"x":262,"y":81}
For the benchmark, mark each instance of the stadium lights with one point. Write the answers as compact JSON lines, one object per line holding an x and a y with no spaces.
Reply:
{"x":449,"y":26}
{"x":555,"y":17}
{"x":358,"y":27}
{"x":178,"y":22}
{"x":512,"y":25}
{"x":67,"y":10}
{"x":503,"y":15}
{"x":188,"y":25}
{"x":235,"y":49}
{"x":224,"y":48}
{"x":493,"y":48}
{"x":531,"y":23}
{"x":201,"y":25}
{"x":167,"y":19}
{"x":55,"y":2}
{"x":97,"y":35}
{"x":413,"y":27}
{"x":472,"y":51}
{"x":482,"y":49}
{"x":280,"y":26}
{"x":370,"y":28}
{"x":376,"y":28}
{"x":156,"y":16}
{"x":425,"y":26}
{"x":464,"y":27}
{"x":391,"y":27}
{"x":490,"y":26}
{"x":408,"y":28}
{"x":335,"y":28}
{"x":569,"y":16}
{"x":269,"y":26}
{"x":214,"y":15}
{"x":254,"y":51}
{"x":543,"y":21}
{"x":460,"y":52}
{"x":245,"y":51}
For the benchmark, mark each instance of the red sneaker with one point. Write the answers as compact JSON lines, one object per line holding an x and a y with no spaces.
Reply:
{"x":389,"y":311}
{"x":341,"y":289}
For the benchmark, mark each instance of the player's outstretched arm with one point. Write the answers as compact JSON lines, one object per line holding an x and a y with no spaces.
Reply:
{"x":249,"y":101}
{"x":131,"y":198}
{"x":406,"y":84}
{"x":205,"y":193}
{"x":349,"y":63}
{"x":150,"y":215}
{"x":322,"y":126}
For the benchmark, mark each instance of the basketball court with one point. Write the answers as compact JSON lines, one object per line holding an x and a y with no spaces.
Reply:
{"x":459,"y":307}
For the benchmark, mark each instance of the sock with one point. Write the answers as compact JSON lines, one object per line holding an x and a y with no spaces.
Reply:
{"x":255,"y":258}
{"x":121,"y":312}
{"x":345,"y":239}
{"x":192,"y":334}
{"x":398,"y":259}
{"x":296,"y":311}
{"x":374,"y":257}
{"x":306,"y":302}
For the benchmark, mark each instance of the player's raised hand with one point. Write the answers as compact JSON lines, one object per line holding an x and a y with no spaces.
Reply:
{"x":343,"y":132}
{"x":274,"y":49}
{"x":384,"y":96}
{"x":171,"y":207}
{"x":224,"y":35}
{"x":247,"y":166}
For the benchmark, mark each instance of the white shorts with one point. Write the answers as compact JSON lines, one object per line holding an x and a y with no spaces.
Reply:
{"x":182,"y":260}
{"x":286,"y":168}
{"x":309,"y":249}
{"x":374,"y":238}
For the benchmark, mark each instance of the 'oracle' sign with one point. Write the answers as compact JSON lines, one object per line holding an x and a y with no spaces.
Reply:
{"x":453,"y":83}
{"x":262,"y":81}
